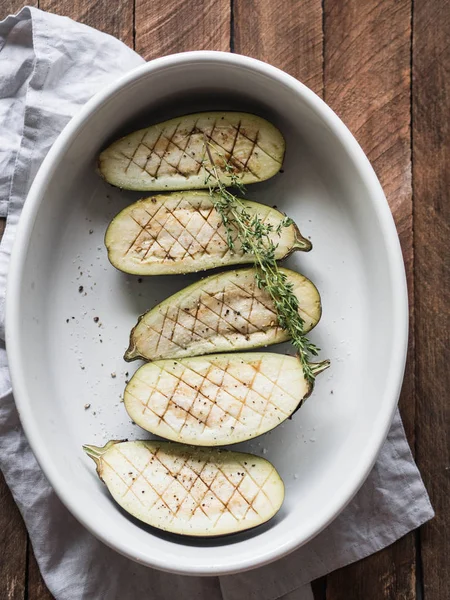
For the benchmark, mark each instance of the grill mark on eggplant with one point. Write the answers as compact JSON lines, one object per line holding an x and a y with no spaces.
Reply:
{"x":227,"y":136}
{"x":163,"y":157}
{"x":224,"y":307}
{"x":142,"y":229}
{"x":155,"y":216}
{"x":244,"y":401}
{"x":133,"y":156}
{"x":218,"y":386}
{"x":161,"y":418}
{"x":171,"y":212}
{"x":233,"y":159}
{"x":204,"y":248}
{"x":171,"y":142}
{"x":191,"y":331}
{"x":253,"y":289}
{"x":247,"y":160}
{"x":212,"y":402}
{"x":152,"y":151}
{"x":203,"y":310}
{"x":161,"y":335}
{"x":197,"y":319}
{"x":128,"y":486}
{"x":185,"y":410}
{"x":134,"y":162}
{"x":261,"y":487}
{"x":169,"y":399}
{"x":194,"y":239}
{"x":227,"y":250}
{"x":183,"y":230}
{"x":250,"y":314}
{"x":198,"y":391}
{"x":234,"y":142}
{"x":141,"y":474}
{"x":163,"y":227}
{"x":191,"y":483}
{"x":249,"y":389}
{"x":183,"y":150}
{"x":198,"y":476}
{"x":227,"y":307}
{"x":189,"y":139}
{"x":147,"y":407}
{"x":259,"y":147}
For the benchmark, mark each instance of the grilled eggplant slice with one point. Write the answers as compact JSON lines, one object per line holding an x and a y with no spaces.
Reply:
{"x":177,"y":154}
{"x":181,"y":232}
{"x":189,"y":491}
{"x":218,"y":399}
{"x":220,"y":313}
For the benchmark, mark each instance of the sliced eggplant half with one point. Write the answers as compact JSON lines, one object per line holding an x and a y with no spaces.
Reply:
{"x":183,"y":153}
{"x":220,"y":313}
{"x":218,"y":399}
{"x":189,"y":491}
{"x":182,"y":232}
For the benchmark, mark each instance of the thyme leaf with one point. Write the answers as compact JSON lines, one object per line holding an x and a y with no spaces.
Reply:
{"x":256,"y":238}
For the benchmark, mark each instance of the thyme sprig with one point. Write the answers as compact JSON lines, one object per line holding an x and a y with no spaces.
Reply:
{"x":256,"y":238}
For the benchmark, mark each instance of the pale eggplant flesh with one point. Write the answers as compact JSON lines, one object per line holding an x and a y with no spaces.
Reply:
{"x":218,"y":399}
{"x":186,"y":152}
{"x":221,"y":313}
{"x":189,"y":491}
{"x":182,"y":232}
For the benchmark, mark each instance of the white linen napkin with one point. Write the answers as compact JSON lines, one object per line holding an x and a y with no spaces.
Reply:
{"x":49,"y":67}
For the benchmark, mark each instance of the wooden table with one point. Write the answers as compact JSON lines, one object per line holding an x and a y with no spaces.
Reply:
{"x":383,"y":66}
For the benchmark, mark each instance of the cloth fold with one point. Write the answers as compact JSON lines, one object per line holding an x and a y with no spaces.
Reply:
{"x":49,"y":67}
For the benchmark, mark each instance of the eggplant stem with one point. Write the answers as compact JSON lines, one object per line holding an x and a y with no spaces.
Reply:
{"x":131,"y":354}
{"x":319,"y":367}
{"x":94,"y":452}
{"x":300,"y":242}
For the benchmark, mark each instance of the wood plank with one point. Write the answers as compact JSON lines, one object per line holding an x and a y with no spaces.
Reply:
{"x":13,"y":541}
{"x":290,"y":38}
{"x":36,"y":588}
{"x":386,"y":575}
{"x":367,"y":82}
{"x":431,"y":182}
{"x":115,"y":18}
{"x":12,"y":7}
{"x":13,"y":547}
{"x":168,"y":26}
{"x":119,"y":22}
{"x":319,"y":588}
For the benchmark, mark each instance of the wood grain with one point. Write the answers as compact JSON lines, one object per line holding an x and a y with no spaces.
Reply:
{"x":12,"y":7}
{"x":13,"y":547}
{"x":431,"y":180}
{"x":290,"y":39}
{"x":13,"y":541}
{"x":367,"y":82}
{"x":358,"y":57}
{"x":168,"y":26}
{"x":289,"y":36}
{"x":36,"y":588}
{"x":113,"y":17}
{"x":319,"y":588}
{"x":386,"y":575}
